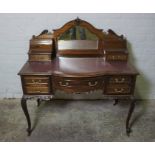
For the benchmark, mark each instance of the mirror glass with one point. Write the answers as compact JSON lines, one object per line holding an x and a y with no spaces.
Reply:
{"x":78,"y":33}
{"x":77,"y":38}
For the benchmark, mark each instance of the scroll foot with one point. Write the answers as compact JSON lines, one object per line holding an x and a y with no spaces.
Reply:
{"x":128,"y":131}
{"x":29,"y":132}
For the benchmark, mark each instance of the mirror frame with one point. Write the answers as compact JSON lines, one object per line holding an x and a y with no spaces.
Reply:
{"x":78,"y":22}
{"x":101,"y":35}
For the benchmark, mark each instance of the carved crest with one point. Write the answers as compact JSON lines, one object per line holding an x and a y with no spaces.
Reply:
{"x":78,"y":22}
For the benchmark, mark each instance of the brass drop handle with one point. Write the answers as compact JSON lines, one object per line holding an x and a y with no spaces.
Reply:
{"x":64,"y":85}
{"x":120,"y":81}
{"x":38,"y":91}
{"x":92,"y":84}
{"x":119,"y":90}
{"x":36,"y":82}
{"x":113,"y":57}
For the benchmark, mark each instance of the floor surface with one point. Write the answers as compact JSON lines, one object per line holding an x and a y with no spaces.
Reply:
{"x":76,"y":121}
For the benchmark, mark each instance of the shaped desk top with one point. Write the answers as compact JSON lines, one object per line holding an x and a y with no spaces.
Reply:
{"x":77,"y":67}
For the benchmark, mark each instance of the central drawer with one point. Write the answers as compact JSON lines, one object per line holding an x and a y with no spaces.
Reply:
{"x":77,"y":85}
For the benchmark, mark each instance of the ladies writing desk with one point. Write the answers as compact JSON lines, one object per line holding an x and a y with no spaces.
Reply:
{"x":78,"y":58}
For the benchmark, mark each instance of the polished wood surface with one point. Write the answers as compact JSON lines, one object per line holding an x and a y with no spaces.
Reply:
{"x":78,"y":66}
{"x":78,"y":85}
{"x":37,"y":68}
{"x":40,"y":57}
{"x":36,"y":80}
{"x":41,"y":45}
{"x":107,"y":42}
{"x":76,"y":75}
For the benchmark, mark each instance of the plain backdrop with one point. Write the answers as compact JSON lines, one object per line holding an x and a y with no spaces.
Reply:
{"x":17,"y":29}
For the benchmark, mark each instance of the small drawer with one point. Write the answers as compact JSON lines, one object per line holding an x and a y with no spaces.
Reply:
{"x":44,"y":48}
{"x":39,"y":57}
{"x":41,"y":49}
{"x":35,"y":80}
{"x":37,"y":90}
{"x":42,"y":45}
{"x":115,"y":89}
{"x":119,"y":79}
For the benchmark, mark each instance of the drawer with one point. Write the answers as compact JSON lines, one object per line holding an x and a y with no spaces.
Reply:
{"x":39,"y":57}
{"x":78,"y":84}
{"x":35,"y":80}
{"x":42,"y":45}
{"x":118,"y":89}
{"x":119,"y":79}
{"x":43,"y":48}
{"x":37,"y":90}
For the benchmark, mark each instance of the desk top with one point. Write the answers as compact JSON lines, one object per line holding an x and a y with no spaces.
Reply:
{"x":63,"y":66}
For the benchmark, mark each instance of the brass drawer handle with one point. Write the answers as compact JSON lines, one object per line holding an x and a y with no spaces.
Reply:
{"x":92,"y":84}
{"x":36,"y":82}
{"x":119,"y":90}
{"x":38,"y":91}
{"x":119,"y":81}
{"x":64,"y":85}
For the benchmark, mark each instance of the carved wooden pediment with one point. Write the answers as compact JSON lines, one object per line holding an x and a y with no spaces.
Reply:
{"x":79,"y":22}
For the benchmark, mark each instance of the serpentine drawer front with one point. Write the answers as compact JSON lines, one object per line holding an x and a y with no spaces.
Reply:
{"x":75,"y":85}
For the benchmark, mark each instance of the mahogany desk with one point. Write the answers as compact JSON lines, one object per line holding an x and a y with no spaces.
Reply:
{"x":50,"y":69}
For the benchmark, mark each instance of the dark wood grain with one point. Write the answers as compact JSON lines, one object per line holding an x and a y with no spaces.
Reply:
{"x":78,"y":66}
{"x":44,"y":45}
{"x":40,"y":57}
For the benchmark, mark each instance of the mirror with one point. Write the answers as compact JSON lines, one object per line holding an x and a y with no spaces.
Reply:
{"x":78,"y":33}
{"x":77,"y":38}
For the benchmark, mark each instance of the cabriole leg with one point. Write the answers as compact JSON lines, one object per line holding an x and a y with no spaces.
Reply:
{"x":25,"y":110}
{"x":131,"y":109}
